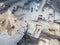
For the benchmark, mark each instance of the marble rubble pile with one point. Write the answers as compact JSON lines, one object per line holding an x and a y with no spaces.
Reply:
{"x":41,"y":21}
{"x":11,"y":29}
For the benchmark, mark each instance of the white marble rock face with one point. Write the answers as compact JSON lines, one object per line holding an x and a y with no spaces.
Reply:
{"x":41,"y":25}
{"x":45,"y":25}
